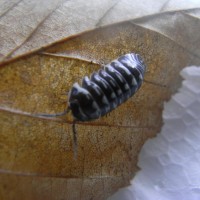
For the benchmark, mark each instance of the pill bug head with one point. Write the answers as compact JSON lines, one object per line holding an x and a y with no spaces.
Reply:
{"x":73,"y":102}
{"x":82,"y":104}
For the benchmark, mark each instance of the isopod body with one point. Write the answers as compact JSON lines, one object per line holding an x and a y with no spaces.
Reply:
{"x":106,"y":89}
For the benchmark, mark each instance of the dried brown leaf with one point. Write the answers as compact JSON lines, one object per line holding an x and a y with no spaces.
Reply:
{"x":36,"y":155}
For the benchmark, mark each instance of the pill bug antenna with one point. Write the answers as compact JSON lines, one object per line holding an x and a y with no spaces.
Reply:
{"x":53,"y":115}
{"x":154,"y":83}
{"x":75,"y":143}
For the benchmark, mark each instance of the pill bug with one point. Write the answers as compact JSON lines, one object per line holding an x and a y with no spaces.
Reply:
{"x":105,"y":90}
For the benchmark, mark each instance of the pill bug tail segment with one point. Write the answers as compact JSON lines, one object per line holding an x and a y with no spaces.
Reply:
{"x":106,"y":89}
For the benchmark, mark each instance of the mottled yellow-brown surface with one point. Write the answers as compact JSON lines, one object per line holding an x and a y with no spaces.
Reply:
{"x":36,"y":155}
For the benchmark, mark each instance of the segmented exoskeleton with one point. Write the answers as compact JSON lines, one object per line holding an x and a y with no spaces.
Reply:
{"x":106,"y":89}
